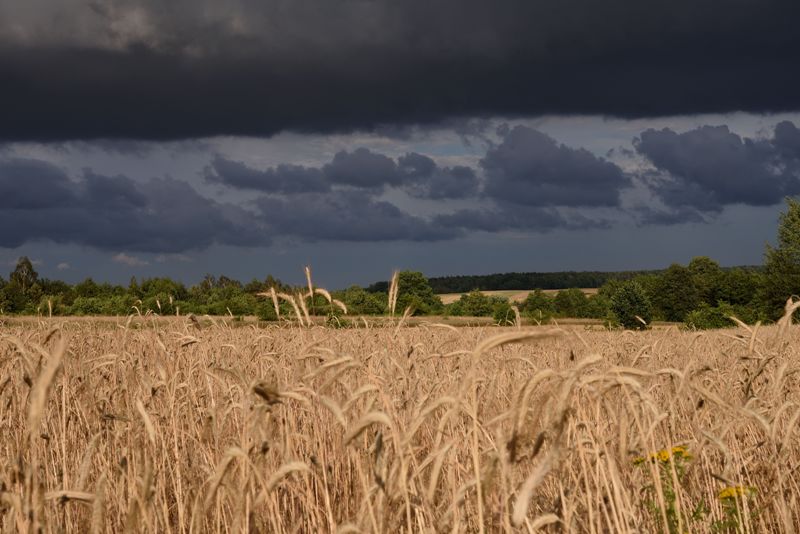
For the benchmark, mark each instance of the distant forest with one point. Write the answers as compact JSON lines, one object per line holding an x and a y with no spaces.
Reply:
{"x":701,"y":294}
{"x":532,"y":280}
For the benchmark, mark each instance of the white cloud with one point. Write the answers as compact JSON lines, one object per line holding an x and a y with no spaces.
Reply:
{"x":63,"y":266}
{"x":131,"y":261}
{"x":164,"y":258}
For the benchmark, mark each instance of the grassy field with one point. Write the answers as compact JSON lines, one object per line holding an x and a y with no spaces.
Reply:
{"x":513,"y":295}
{"x":156,"y":425}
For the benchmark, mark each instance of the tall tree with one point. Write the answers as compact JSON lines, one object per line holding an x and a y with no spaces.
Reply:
{"x":677,"y":294}
{"x":707,"y":277}
{"x":629,"y":304}
{"x":782,"y":263}
{"x":24,"y":275}
{"x":414,"y":290}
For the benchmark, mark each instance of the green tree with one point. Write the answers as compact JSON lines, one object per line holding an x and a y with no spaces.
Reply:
{"x":24,"y":275}
{"x":88,"y":289}
{"x":361,"y":302}
{"x":739,"y":286}
{"x":629,"y":302}
{"x":538,"y":306}
{"x":475,"y":304}
{"x":782,"y":263}
{"x":676,"y":295}
{"x":706,"y":317}
{"x":598,"y":306}
{"x":708,"y":279}
{"x":414,"y":290}
{"x":502,"y":313}
{"x":571,"y":303}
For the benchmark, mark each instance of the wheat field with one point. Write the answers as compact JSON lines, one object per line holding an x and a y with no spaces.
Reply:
{"x":171,"y":425}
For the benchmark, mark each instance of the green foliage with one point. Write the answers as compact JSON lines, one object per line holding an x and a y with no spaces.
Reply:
{"x":265,"y":310}
{"x":414,"y":290}
{"x":707,"y":278}
{"x":538,"y":306}
{"x":669,"y":466}
{"x":520,"y":281}
{"x":629,"y":302}
{"x":473,"y":304}
{"x":738,"y":503}
{"x":502,"y":313}
{"x":361,"y":302}
{"x":571,"y":303}
{"x":707,"y":317}
{"x":24,"y":275}
{"x":676,"y":294}
{"x":739,"y":286}
{"x":598,"y":307}
{"x":782,"y":263}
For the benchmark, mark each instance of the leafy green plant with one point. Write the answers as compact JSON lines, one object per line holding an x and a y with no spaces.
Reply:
{"x":631,"y":306}
{"x":667,"y":514}
{"x":734,"y":500}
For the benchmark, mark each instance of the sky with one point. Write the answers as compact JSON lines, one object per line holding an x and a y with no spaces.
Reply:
{"x":254,"y":137}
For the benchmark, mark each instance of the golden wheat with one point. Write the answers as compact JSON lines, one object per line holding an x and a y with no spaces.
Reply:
{"x":158,"y":424}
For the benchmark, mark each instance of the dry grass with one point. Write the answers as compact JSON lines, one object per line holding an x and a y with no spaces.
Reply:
{"x":513,"y":295}
{"x":158,"y":426}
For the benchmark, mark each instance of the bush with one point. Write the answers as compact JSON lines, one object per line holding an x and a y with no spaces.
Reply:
{"x":707,"y":317}
{"x":414,"y":290}
{"x":473,"y":304}
{"x":571,"y":303}
{"x":502,"y":312}
{"x":538,"y":306}
{"x":598,"y":307}
{"x":265,"y":311}
{"x":361,"y":302}
{"x":630,"y":303}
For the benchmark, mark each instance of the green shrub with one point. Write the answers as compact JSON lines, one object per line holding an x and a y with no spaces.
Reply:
{"x":538,"y":306}
{"x":629,"y":303}
{"x":502,"y":312}
{"x":706,"y":317}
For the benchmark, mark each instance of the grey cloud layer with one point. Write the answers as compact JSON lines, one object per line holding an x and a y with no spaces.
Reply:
{"x":347,"y":216}
{"x":362,"y":169}
{"x":190,"y":68}
{"x":38,"y":201}
{"x":529,"y":168}
{"x":526,"y":181}
{"x":711,"y":167}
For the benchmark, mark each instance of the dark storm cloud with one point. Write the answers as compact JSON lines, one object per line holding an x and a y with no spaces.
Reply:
{"x":497,"y":220}
{"x":507,"y":217}
{"x":38,"y":201}
{"x":787,"y":141}
{"x":649,"y":216}
{"x":711,"y":167}
{"x":424,"y":179}
{"x":530,"y":168}
{"x":154,"y":70}
{"x":346,"y":216}
{"x":280,"y":179}
{"x":33,"y":185}
{"x":361,"y":169}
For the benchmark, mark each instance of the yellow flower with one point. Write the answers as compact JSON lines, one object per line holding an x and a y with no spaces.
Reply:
{"x":732,"y":492}
{"x":680,"y":453}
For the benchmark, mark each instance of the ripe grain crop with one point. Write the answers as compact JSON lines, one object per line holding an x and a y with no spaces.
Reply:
{"x":172,"y":425}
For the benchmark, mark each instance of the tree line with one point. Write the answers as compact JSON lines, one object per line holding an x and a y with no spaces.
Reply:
{"x":701,"y":294}
{"x":516,"y":281}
